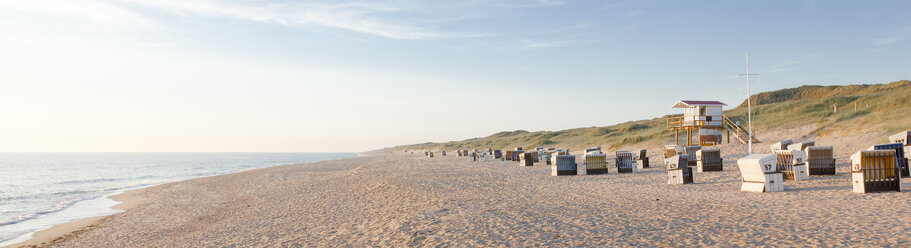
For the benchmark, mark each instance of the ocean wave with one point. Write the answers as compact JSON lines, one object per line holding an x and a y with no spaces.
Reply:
{"x":46,"y":195}
{"x":87,"y":195}
{"x":57,"y":207}
{"x":94,"y":180}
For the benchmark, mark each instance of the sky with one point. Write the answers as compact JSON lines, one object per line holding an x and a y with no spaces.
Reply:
{"x":339,"y":76}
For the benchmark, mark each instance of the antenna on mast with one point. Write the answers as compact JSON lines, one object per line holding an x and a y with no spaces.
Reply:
{"x":749,"y":105}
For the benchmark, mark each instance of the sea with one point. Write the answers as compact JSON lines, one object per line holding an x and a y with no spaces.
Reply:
{"x":41,"y":190}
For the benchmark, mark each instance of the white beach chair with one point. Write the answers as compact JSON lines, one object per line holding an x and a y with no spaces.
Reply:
{"x":760,"y":173}
{"x":874,"y":171}
{"x":677,"y":170}
{"x":564,"y":165}
{"x":820,"y":160}
{"x":792,"y":164}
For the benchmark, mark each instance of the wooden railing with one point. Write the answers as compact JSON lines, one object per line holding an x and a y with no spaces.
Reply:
{"x":677,"y":122}
{"x":739,"y":132}
{"x":674,"y":122}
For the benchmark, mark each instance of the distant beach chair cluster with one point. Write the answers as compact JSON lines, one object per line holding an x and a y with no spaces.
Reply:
{"x":878,"y":168}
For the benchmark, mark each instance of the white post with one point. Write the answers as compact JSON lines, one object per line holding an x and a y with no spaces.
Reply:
{"x":855,"y":107}
{"x":835,"y":107}
{"x":749,"y":105}
{"x":749,"y":109}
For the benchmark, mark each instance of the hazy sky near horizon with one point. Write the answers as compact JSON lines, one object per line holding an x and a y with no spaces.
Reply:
{"x":297,"y":76}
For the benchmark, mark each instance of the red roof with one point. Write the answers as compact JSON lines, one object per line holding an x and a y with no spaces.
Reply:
{"x":690,"y":102}
{"x":687,"y":103}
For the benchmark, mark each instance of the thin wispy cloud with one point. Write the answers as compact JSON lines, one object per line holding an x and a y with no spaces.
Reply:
{"x":892,"y":36}
{"x":787,"y":65}
{"x":811,"y":3}
{"x":84,"y":15}
{"x":563,"y":31}
{"x":782,"y":67}
{"x":551,"y":2}
{"x":356,"y":17}
{"x":530,"y":45}
{"x":377,"y":19}
{"x":632,"y":14}
{"x":608,"y":6}
{"x":886,"y":41}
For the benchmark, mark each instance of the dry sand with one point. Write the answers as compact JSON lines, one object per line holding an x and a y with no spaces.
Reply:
{"x":397,"y":199}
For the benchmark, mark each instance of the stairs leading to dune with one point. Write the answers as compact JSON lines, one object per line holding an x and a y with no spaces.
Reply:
{"x":739,"y":133}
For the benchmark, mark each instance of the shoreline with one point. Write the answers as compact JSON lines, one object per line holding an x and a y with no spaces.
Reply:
{"x":127,"y":199}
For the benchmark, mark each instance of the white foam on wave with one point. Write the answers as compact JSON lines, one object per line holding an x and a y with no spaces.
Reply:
{"x":71,"y":211}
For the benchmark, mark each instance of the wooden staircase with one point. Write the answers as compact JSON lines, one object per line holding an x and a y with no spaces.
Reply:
{"x":738,"y":132}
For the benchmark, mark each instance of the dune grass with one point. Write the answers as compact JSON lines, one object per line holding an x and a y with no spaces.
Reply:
{"x":880,"y":108}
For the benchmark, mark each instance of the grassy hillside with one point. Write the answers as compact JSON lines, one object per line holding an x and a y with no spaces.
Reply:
{"x":880,"y":107}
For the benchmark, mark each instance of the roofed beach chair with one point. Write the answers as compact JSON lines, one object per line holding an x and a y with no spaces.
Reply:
{"x":875,"y":171}
{"x":497,"y":154}
{"x":792,"y":164}
{"x":900,"y":160}
{"x":801,"y":145}
{"x":783,"y":145}
{"x":595,"y":163}
{"x":672,"y":150}
{"x":643,"y":159}
{"x":526,"y":159}
{"x":564,"y":165}
{"x":593,"y":149}
{"x":442,"y":152}
{"x":677,"y":170}
{"x":691,"y":150}
{"x":760,"y":173}
{"x":820,"y":160}
{"x":903,"y":137}
{"x":626,"y":162}
{"x":547,"y":155}
{"x":709,"y":159}
{"x":516,"y":154}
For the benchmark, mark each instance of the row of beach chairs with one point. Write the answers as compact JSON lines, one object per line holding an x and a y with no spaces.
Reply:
{"x":879,"y":168}
{"x":595,"y":162}
{"x":788,"y":161}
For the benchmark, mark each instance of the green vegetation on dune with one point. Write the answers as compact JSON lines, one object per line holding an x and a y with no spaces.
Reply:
{"x":880,"y":108}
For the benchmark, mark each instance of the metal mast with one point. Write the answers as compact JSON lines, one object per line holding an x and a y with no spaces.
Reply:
{"x":749,"y":105}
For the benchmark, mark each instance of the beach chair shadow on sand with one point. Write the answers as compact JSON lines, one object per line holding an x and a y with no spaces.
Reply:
{"x":841,"y":188}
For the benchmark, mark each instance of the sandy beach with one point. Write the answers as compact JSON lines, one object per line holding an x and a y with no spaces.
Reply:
{"x":399,"y":199}
{"x":277,"y":123}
